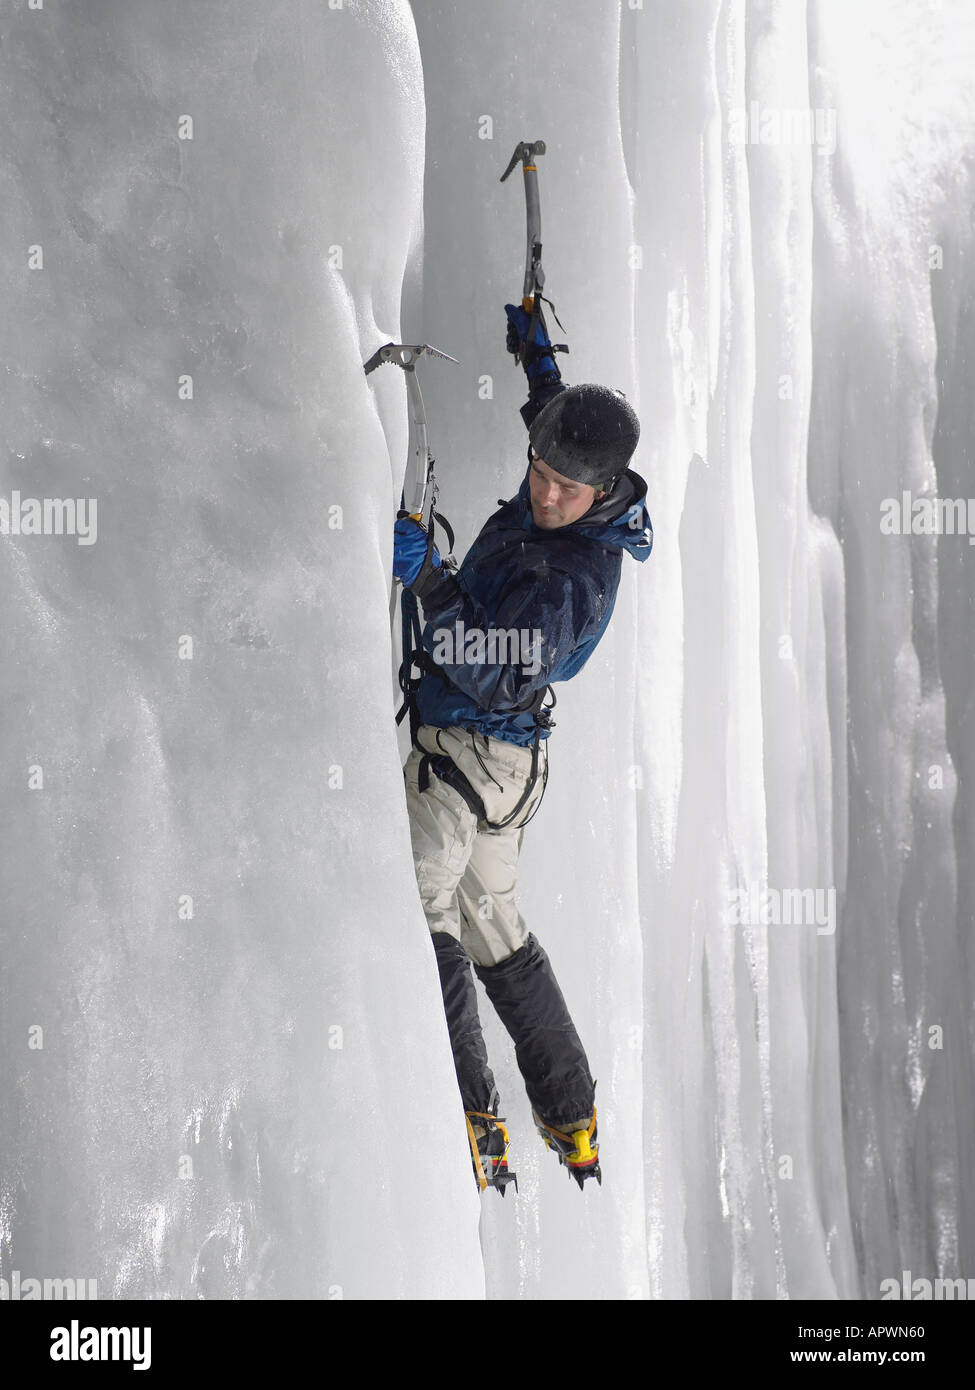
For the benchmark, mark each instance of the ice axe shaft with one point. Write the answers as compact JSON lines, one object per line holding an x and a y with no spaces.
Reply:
{"x":526,"y":151}
{"x":419,"y":487}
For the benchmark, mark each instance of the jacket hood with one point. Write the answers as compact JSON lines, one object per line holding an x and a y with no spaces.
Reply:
{"x":620,"y":519}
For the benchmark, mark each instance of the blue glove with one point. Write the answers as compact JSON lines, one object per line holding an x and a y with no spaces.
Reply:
{"x":519,"y":323}
{"x":410,"y":542}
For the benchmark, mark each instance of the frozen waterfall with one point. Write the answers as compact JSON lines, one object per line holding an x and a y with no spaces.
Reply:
{"x":226,"y":1071}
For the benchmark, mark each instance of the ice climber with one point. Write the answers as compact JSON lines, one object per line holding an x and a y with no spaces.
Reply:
{"x":547,"y":564}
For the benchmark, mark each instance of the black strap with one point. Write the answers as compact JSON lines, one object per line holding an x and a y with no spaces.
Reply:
{"x":414,"y":655}
{"x":448,"y":771}
{"x":413,"y":652}
{"x":448,"y":530}
{"x":532,"y":351}
{"x":543,"y":720}
{"x":409,"y":683}
{"x":554,"y":314}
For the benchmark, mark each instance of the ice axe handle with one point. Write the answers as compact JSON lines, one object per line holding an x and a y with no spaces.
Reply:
{"x":526,"y":151}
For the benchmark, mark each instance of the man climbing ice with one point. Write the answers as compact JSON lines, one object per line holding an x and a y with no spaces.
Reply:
{"x":547,"y":563}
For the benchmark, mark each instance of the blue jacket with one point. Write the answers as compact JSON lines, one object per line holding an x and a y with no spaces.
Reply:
{"x":559,"y":585}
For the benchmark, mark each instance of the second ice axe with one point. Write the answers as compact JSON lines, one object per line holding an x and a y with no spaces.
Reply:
{"x":534,"y":281}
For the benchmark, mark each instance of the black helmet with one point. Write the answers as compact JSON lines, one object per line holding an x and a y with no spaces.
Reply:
{"x":587,"y":433}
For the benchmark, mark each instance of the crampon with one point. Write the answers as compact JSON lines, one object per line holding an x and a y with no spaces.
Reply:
{"x":489,"y":1142}
{"x":577,"y":1150}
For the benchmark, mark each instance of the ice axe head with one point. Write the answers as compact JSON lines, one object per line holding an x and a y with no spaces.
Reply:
{"x":404,"y":355}
{"x":525,"y":150}
{"x":419,"y":489}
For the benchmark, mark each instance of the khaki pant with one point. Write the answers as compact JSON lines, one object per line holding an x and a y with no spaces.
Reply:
{"x":465,"y":872}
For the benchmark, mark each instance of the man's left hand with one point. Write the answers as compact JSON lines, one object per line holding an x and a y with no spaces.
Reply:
{"x":414,"y":554}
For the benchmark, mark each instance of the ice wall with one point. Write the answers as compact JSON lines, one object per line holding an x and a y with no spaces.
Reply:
{"x":893,"y":289}
{"x":224,"y":1104}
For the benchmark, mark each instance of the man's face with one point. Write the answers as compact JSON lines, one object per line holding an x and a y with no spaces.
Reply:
{"x":557,"y":501}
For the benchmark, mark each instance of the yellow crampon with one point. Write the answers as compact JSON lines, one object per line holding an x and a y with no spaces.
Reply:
{"x":576,"y":1150}
{"x":490,"y":1168}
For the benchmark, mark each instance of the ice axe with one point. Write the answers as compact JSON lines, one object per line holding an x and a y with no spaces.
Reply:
{"x":419,"y":483}
{"x":418,"y":500}
{"x":534,"y":282}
